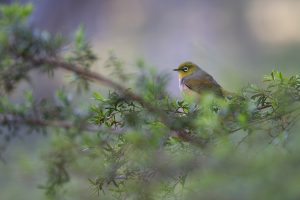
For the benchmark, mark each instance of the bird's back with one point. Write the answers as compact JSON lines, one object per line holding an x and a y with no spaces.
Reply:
{"x":201,"y":82}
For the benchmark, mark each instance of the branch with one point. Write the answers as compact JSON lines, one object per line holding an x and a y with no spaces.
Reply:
{"x":93,"y":76}
{"x":191,"y":138}
{"x":264,"y":106}
{"x":265,"y":119}
{"x":11,"y":119}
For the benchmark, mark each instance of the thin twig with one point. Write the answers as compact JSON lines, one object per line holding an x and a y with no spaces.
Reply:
{"x":266,"y":119}
{"x":93,"y":76}
{"x":242,"y":140}
{"x":264,"y":106}
{"x":8,"y":119}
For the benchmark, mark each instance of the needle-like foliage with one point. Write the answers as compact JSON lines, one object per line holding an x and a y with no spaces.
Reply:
{"x":136,"y":141}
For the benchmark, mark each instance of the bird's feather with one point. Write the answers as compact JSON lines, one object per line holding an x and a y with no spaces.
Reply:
{"x":204,"y":84}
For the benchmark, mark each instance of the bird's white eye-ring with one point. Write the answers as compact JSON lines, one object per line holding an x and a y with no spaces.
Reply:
{"x":185,"y":69}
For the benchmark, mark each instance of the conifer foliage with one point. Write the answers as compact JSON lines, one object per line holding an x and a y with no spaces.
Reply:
{"x":134,"y":140}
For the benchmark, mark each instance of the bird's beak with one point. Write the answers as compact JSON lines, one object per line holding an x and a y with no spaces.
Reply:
{"x":175,"y":69}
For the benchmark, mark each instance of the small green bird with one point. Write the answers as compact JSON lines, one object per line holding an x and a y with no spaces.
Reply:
{"x":193,"y":78}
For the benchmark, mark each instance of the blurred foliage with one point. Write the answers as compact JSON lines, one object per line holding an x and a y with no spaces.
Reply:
{"x":138,"y":142}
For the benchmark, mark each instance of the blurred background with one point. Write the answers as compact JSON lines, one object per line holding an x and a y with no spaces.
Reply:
{"x":235,"y":41}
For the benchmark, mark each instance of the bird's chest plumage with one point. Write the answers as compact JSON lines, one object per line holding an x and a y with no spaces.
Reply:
{"x":185,"y":89}
{"x":182,"y":86}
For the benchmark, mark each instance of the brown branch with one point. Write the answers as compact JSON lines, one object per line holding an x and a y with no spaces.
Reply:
{"x":252,"y":123}
{"x":191,"y":138}
{"x":264,"y":106}
{"x":93,"y":76}
{"x":11,"y":119}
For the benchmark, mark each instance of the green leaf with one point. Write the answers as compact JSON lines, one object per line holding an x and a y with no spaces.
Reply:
{"x":15,"y":12}
{"x":98,"y":96}
{"x":280,"y":76}
{"x":272,"y":75}
{"x":80,"y":37}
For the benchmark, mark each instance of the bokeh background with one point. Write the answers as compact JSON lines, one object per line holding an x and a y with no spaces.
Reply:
{"x":235,"y":41}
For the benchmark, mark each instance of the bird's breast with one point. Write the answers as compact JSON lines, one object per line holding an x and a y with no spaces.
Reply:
{"x":182,"y":86}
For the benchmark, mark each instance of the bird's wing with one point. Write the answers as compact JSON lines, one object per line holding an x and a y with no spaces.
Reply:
{"x":202,"y":84}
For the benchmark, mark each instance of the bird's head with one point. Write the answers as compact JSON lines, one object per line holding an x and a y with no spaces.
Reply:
{"x":186,"y":69}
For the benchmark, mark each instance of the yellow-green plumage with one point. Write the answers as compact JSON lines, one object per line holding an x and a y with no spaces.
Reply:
{"x":192,"y":77}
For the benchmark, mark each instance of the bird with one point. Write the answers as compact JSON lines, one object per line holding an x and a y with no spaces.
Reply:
{"x":193,"y":79}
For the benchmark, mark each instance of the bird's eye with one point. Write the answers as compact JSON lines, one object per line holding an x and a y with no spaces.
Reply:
{"x":185,"y":69}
